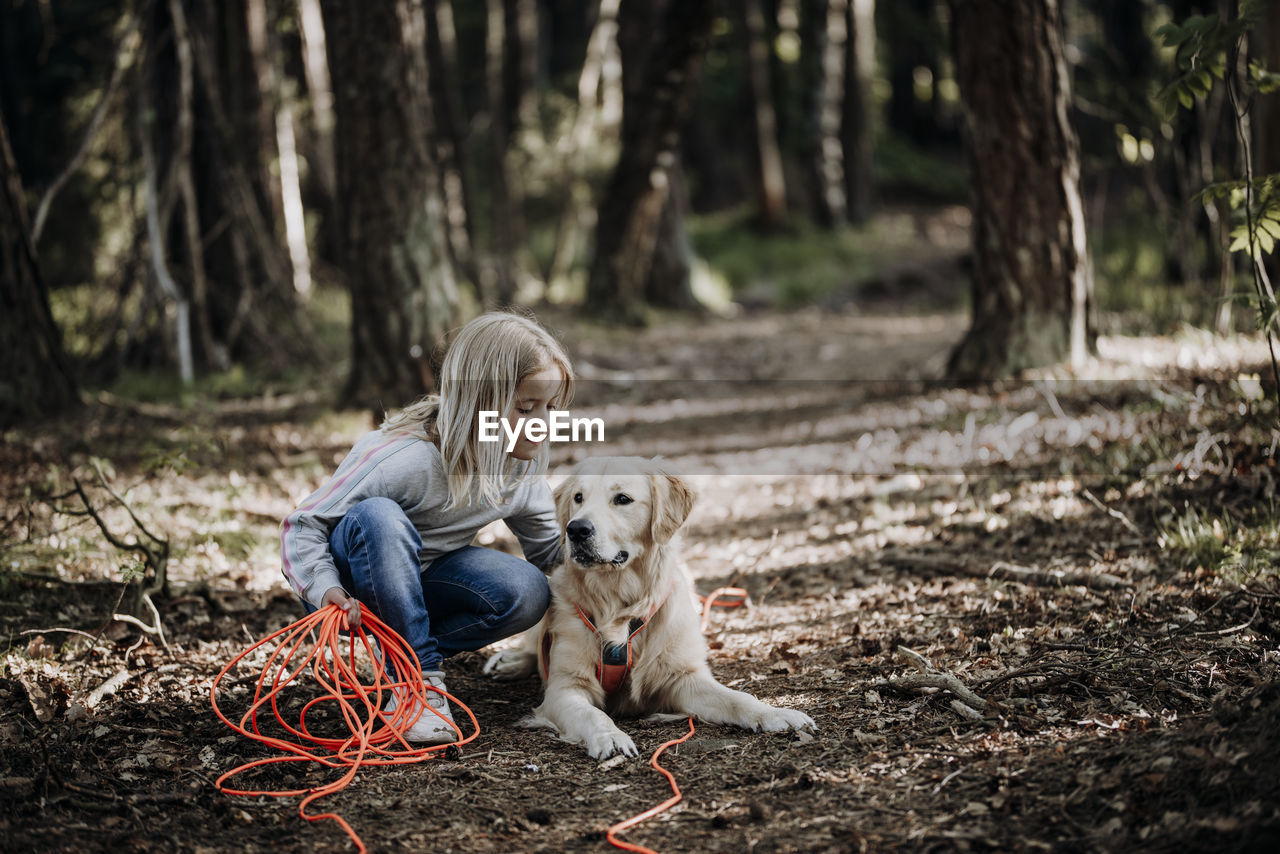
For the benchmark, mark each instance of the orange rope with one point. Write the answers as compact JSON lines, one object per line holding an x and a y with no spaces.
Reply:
{"x":375,"y":739}
{"x":712,"y":600}
{"x":649,"y":813}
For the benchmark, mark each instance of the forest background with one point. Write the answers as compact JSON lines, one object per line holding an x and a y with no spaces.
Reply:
{"x":959,"y":314}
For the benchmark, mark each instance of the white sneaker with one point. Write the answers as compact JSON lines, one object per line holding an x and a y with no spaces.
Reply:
{"x":429,"y":728}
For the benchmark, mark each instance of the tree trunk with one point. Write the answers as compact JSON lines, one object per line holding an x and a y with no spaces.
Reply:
{"x":1266,"y":120}
{"x":36,"y":380}
{"x":856,"y":119}
{"x":823,"y":33}
{"x":455,"y":179}
{"x":276,"y":100}
{"x":771,"y":187}
{"x":392,"y":247}
{"x":315,"y":66}
{"x":1032,"y":280}
{"x":670,"y":281}
{"x":572,"y":229}
{"x":662,"y":46}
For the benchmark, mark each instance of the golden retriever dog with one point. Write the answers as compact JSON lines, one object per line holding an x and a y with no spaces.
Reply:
{"x":622,"y":634}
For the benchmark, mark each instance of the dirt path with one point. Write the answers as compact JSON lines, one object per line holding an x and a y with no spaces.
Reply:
{"x":1132,"y":699}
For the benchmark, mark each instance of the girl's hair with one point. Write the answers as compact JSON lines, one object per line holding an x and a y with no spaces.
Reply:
{"x":490,"y":356}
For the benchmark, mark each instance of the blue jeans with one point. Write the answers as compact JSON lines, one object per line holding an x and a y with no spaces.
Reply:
{"x":463,"y":600}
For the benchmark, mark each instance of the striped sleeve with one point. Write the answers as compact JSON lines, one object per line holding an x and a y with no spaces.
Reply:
{"x":304,"y":535}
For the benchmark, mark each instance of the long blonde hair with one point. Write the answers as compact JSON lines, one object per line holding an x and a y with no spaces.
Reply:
{"x":490,"y":356}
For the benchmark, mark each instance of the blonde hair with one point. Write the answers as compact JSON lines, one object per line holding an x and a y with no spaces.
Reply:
{"x":490,"y":356}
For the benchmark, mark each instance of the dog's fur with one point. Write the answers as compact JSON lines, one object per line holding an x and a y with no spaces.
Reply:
{"x":628,"y":567}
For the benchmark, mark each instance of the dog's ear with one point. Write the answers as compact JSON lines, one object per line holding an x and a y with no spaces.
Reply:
{"x":564,"y":499}
{"x":672,"y":501}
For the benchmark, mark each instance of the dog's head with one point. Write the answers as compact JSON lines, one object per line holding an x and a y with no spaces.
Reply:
{"x":615,"y":509}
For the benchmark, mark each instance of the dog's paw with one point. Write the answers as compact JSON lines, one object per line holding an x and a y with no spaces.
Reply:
{"x":780,"y":720}
{"x":602,"y":745}
{"x":510,"y":664}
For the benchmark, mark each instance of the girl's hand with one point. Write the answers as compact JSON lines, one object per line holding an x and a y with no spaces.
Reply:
{"x":338,"y":596}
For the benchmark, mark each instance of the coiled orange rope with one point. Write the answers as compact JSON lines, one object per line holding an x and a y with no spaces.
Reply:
{"x":374,"y":738}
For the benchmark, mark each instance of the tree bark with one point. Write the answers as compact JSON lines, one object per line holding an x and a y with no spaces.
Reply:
{"x":856,"y":116}
{"x":392,"y":249}
{"x":285,"y":189}
{"x":451,"y":151}
{"x":499,"y":286}
{"x":315,"y":66}
{"x":1266,"y":122}
{"x":823,"y":33}
{"x":36,"y":380}
{"x":771,"y":186}
{"x":1032,"y":281}
{"x":662,"y":47}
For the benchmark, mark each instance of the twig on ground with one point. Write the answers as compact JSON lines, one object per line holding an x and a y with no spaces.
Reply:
{"x":60,"y":629}
{"x":157,"y":629}
{"x":931,"y":677}
{"x":115,"y":683}
{"x":1112,"y":512}
{"x":965,"y":711}
{"x":1056,"y":577}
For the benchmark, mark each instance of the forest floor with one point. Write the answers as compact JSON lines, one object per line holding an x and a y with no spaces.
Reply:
{"x":1093,"y":554}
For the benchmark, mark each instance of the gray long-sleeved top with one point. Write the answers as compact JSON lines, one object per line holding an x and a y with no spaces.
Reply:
{"x":409,"y":471}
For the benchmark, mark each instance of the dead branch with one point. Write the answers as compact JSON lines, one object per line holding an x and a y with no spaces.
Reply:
{"x":1056,"y":577}
{"x":155,"y":555}
{"x":185,"y":178}
{"x":1112,"y":512}
{"x":60,"y":629}
{"x":930,"y":677}
{"x":123,"y":60}
{"x":157,"y":629}
{"x":156,"y":225}
{"x":941,"y":681}
{"x":240,"y":197}
{"x":965,"y":711}
{"x":115,"y":683}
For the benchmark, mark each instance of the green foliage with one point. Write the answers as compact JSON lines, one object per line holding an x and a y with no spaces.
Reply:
{"x":1235,"y":548}
{"x":134,"y":570}
{"x":899,"y":163}
{"x":1204,"y":46}
{"x":803,"y":263}
{"x":1208,"y":47}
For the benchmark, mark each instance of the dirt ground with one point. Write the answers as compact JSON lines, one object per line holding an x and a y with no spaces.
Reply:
{"x":1088,"y":553}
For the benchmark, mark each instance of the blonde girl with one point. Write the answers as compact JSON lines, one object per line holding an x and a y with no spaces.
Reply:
{"x":392,"y":528}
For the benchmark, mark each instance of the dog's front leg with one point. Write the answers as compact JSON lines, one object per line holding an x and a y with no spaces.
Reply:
{"x":700,"y":695}
{"x":570,"y":705}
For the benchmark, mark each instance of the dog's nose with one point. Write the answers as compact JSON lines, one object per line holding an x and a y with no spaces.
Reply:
{"x":580,"y":529}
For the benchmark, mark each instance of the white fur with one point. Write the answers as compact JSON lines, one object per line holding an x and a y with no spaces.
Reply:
{"x":669,"y":656}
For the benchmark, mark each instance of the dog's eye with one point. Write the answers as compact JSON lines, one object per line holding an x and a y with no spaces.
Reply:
{"x":577,"y":497}
{"x":622,"y":498}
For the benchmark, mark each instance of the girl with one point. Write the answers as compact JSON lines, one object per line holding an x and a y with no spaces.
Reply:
{"x":392,"y":528}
